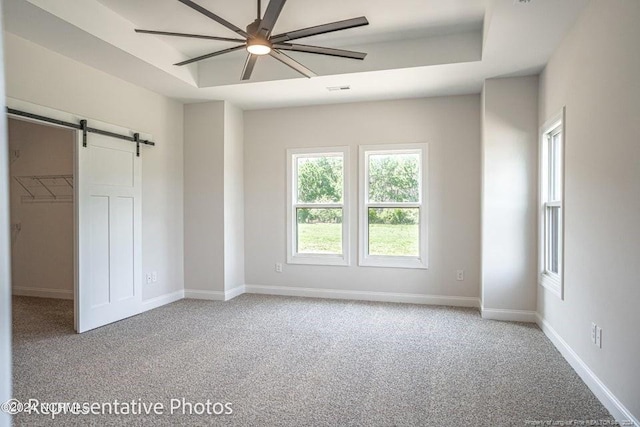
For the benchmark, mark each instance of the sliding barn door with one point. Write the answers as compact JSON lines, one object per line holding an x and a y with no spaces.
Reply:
{"x":109,"y":242}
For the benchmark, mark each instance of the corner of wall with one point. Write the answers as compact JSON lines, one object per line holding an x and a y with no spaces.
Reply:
{"x":509,"y":198}
{"x":234,"y":277}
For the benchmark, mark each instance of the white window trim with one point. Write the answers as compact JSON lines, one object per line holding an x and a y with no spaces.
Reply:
{"x":367,"y":260}
{"x":551,"y":281}
{"x":317,"y":259}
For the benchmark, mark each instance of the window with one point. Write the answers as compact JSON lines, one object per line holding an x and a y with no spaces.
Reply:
{"x":317,"y":206}
{"x":551,"y":204}
{"x":393,"y":208}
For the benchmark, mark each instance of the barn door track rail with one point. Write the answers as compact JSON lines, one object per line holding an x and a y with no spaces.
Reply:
{"x":82,"y":126}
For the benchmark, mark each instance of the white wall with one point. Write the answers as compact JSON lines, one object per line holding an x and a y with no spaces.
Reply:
{"x":509,"y":194}
{"x":42,"y":248}
{"x":594,"y":73}
{"x":233,"y":197}
{"x":204,"y":196}
{"x":42,"y":77}
{"x":450,"y":125}
{"x":5,"y":263}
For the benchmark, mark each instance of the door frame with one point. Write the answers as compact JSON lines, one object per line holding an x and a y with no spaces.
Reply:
{"x":53,"y":113}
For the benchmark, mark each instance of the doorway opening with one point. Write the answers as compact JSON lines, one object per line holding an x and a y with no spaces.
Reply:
{"x":42,"y":209}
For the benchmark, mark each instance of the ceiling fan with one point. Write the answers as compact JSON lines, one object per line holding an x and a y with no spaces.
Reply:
{"x":258,"y":40}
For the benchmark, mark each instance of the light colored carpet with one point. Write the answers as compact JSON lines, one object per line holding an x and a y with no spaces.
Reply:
{"x":293,"y":361}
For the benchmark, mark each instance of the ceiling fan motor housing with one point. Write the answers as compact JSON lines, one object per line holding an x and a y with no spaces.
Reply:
{"x":252,"y":29}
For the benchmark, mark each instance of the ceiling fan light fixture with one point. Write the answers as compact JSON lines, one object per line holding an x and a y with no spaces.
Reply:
{"x":257,"y":46}
{"x":258,"y":39}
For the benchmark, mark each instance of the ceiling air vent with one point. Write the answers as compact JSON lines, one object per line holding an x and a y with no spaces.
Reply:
{"x":338,"y":88}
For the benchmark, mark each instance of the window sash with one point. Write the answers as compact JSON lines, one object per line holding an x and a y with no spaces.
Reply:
{"x":551,"y":205}
{"x":554,"y":165}
{"x":390,"y":205}
{"x":552,"y":240}
{"x":553,"y":200}
{"x":318,"y":155}
{"x":293,"y":255}
{"x":296,"y":234}
{"x":390,"y":152}
{"x":400,"y":261}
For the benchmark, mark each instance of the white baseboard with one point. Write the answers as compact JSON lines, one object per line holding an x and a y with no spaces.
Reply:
{"x":364,"y":295}
{"x":207,"y":295}
{"x":43,"y":292}
{"x":606,"y":397}
{"x":214,"y":295}
{"x":232,"y":293}
{"x":161,"y":300}
{"x":508,"y":315}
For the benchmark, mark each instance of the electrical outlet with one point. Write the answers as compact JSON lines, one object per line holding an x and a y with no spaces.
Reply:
{"x":459,"y":275}
{"x":148,"y":278}
{"x":154,"y":276}
{"x":599,"y":336}
{"x":278,"y":267}
{"x":594,"y":329}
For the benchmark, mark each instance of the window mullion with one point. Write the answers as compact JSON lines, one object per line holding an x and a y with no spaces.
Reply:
{"x":318,"y":205}
{"x":375,"y":205}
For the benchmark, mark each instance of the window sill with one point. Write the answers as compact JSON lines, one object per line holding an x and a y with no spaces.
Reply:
{"x":328,"y":260}
{"x":553,"y":284}
{"x":393,"y":262}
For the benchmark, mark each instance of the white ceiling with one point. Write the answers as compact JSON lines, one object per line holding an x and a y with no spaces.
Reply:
{"x":416,"y":48}
{"x":395,"y":20}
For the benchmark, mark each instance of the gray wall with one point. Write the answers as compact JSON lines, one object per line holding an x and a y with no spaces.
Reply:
{"x":509,"y":193}
{"x":233,"y":197}
{"x":594,"y":73}
{"x":451,"y":126}
{"x":204,"y":196}
{"x":214,"y":202}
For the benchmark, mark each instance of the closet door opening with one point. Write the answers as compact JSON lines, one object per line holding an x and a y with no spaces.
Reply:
{"x":42,"y":225}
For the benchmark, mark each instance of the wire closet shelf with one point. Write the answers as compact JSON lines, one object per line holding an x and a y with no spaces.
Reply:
{"x":46,"y":188}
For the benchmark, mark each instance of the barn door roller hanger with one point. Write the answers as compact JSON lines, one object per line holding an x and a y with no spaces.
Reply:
{"x":82,"y":126}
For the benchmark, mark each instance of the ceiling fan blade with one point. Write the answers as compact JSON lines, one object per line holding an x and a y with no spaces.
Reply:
{"x":320,"y":29}
{"x":195,"y":36}
{"x":210,"y":55}
{"x":215,"y":17}
{"x":248,"y":66}
{"x":270,"y":17}
{"x":320,"y":50}
{"x":287,"y":60}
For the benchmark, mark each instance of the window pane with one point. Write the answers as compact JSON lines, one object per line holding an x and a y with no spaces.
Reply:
{"x":319,"y":179}
{"x":394,"y":231}
{"x":394,"y":177}
{"x":551,"y":169}
{"x":319,"y":231}
{"x":553,"y":239}
{"x":557,"y":159}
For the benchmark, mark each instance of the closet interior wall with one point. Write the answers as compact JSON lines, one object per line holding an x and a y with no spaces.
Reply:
{"x":41,"y":168}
